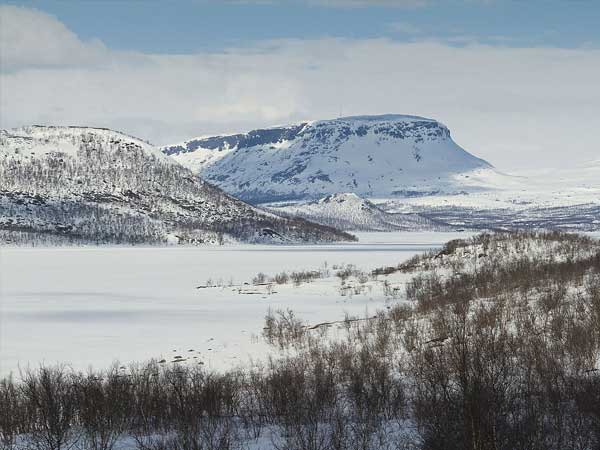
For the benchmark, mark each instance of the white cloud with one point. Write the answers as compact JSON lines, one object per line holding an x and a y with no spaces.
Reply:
{"x":516,"y":107}
{"x":31,"y":38}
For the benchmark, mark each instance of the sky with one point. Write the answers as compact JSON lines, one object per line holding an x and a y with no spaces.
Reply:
{"x":516,"y":81}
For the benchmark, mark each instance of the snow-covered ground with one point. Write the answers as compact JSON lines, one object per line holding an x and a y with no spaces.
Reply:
{"x":544,"y":188}
{"x":92,"y":306}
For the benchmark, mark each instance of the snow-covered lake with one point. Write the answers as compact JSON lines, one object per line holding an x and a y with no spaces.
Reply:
{"x":93,"y":306}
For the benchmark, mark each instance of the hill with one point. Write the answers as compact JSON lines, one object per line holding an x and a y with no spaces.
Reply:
{"x":81,"y":184}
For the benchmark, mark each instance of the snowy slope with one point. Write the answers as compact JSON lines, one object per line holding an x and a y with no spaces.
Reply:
{"x":372,"y":156}
{"x":81,"y":184}
{"x":350,"y":212}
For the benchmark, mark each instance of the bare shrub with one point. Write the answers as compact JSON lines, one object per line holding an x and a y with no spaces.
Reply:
{"x":260,"y":278}
{"x":281,"y":278}
{"x":198,"y":410}
{"x":104,"y":408}
{"x":351,"y":271}
{"x":50,"y":398}
{"x":283,"y":328}
{"x":305,"y":276}
{"x":13,"y":420}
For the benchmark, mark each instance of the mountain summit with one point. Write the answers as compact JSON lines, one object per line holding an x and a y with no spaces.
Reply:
{"x":373,"y":156}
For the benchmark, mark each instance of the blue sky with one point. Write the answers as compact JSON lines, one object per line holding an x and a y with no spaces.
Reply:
{"x":516,"y":81}
{"x":194,"y":25}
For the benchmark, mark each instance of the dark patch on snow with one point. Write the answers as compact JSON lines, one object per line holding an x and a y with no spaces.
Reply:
{"x":319,"y":176}
{"x":288,"y":173}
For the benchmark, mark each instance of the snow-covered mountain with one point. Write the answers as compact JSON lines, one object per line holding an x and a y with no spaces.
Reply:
{"x":372,"y":156}
{"x":348,"y":211}
{"x":79,"y":184}
{"x":402,"y":164}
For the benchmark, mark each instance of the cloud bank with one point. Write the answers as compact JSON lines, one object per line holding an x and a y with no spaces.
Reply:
{"x":516,"y":107}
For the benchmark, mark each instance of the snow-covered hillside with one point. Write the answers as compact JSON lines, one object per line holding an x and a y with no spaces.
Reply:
{"x":79,"y":184}
{"x":372,"y":156}
{"x":350,"y":212}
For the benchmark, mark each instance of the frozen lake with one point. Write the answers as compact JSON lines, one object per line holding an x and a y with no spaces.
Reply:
{"x":93,"y":306}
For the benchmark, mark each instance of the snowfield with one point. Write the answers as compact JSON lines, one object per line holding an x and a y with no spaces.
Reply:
{"x":92,"y":306}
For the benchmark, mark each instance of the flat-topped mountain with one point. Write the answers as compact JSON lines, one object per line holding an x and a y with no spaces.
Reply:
{"x":372,"y":156}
